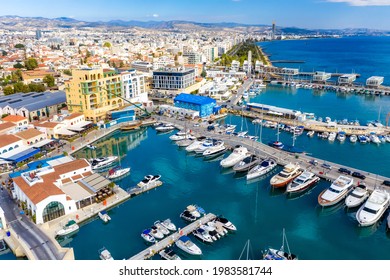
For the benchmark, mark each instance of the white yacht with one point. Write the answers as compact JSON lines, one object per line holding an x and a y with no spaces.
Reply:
{"x":238,"y":154}
{"x":341,"y":136}
{"x":117,"y":172}
{"x":289,"y":173}
{"x":357,"y":196}
{"x":332,"y":136}
{"x":218,"y":149}
{"x":105,"y":255}
{"x":262,"y":168}
{"x":196,"y":144}
{"x":336,"y":192}
{"x":156,"y":233}
{"x":302,"y":182}
{"x":168,"y":225}
{"x":161,"y":228}
{"x":374,"y":138}
{"x":98,"y":163}
{"x":226,"y":223}
{"x":353,"y":138}
{"x":193,"y":210}
{"x":247,"y":163}
{"x":165,"y":127}
{"x":185,"y":243}
{"x":148,"y":179}
{"x":146,"y":235}
{"x":205,"y":145}
{"x":103,"y":215}
{"x":310,"y":133}
{"x":202,"y":235}
{"x":372,"y":210}
{"x":181,"y":135}
{"x":70,"y":227}
{"x":212,"y":231}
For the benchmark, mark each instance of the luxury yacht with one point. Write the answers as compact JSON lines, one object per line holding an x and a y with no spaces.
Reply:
{"x":238,"y":154}
{"x":289,"y":173}
{"x":148,"y":179}
{"x":357,"y":196}
{"x":98,"y":163}
{"x":302,"y":182}
{"x":246,"y":164}
{"x":336,"y":192}
{"x":185,"y":243}
{"x":261,"y":169}
{"x":372,"y":210}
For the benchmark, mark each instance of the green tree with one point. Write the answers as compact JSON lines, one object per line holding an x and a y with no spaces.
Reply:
{"x":16,"y":76}
{"x":68,"y":72}
{"x":18,"y":65}
{"x":36,"y":88}
{"x":8,"y":90}
{"x":107,"y":45}
{"x":20,"y":87}
{"x":49,"y":80}
{"x":31,"y":64}
{"x":121,"y":64}
{"x":19,"y":46}
{"x":4,"y":53}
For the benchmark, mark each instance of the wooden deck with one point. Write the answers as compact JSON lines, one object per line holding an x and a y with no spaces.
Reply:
{"x":169,"y":240}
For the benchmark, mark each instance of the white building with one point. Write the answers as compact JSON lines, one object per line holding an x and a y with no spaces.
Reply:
{"x":134,"y":86}
{"x":258,"y":65}
{"x":347,"y":79}
{"x":235,"y":65}
{"x":321,"y":76}
{"x":186,"y":113}
{"x":374,"y":81}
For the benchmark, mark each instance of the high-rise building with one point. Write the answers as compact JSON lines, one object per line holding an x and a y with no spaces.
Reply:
{"x":273,"y":30}
{"x":94,"y":92}
{"x":38,"y":34}
{"x":134,"y":86}
{"x":173,"y":79}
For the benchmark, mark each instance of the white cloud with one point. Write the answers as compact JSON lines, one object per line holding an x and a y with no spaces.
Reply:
{"x":363,"y":2}
{"x":155,"y":15}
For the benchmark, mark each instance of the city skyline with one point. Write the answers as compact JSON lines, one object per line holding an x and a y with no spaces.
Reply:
{"x":312,"y":14}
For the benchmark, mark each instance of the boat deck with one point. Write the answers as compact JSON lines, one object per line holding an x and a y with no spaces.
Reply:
{"x":170,"y":240}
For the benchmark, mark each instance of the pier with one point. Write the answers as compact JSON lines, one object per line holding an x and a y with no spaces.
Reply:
{"x":169,"y":240}
{"x":137,"y":190}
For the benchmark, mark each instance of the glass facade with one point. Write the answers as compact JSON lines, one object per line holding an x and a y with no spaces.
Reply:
{"x":52,"y":211}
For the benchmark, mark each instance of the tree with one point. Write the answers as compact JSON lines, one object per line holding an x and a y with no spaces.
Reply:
{"x":16,"y":76}
{"x":36,"y":88}
{"x":8,"y":90}
{"x":68,"y":72}
{"x":4,"y":53}
{"x":20,"y":87}
{"x":49,"y":80}
{"x":121,"y":64}
{"x":19,"y":46}
{"x":107,"y":45}
{"x":31,"y":64}
{"x":18,"y":65}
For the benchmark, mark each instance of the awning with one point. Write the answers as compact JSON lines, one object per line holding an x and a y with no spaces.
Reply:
{"x":64,"y":131}
{"x":23,"y":155}
{"x":42,"y":143}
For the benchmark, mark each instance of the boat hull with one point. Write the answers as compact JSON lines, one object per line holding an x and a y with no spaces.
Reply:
{"x":326,"y":203}
{"x":303,"y":187}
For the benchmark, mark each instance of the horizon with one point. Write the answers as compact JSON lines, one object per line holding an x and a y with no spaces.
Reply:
{"x":305,"y":14}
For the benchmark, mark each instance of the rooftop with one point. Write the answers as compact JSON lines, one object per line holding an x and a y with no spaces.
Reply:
{"x":29,"y":133}
{"x":33,"y":100}
{"x":8,"y":139}
{"x":6,"y":125}
{"x":194,"y":99}
{"x":14,"y":118}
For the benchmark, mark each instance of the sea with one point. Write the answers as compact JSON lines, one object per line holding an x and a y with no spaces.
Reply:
{"x":259,"y":212}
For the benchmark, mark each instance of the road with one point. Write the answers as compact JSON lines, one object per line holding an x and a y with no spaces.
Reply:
{"x":245,"y":86}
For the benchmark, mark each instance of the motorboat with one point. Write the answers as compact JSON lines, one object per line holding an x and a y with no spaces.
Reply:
{"x":353,"y":138}
{"x":289,"y":173}
{"x":261,"y":169}
{"x":247,"y":163}
{"x":92,"y":147}
{"x":357,"y":196}
{"x":332,"y":136}
{"x":310,"y":133}
{"x":181,"y":135}
{"x":341,"y":136}
{"x":302,"y":182}
{"x":169,"y":254}
{"x":216,"y":150}
{"x":98,"y":163}
{"x":186,"y":215}
{"x":211,"y":231}
{"x":148,"y":179}
{"x":277,"y":145}
{"x":228,"y":128}
{"x":336,"y":192}
{"x":105,"y":255}
{"x":117,"y":172}
{"x":374,"y":138}
{"x":165,"y":127}
{"x":226,"y":223}
{"x":168,"y":225}
{"x":238,"y":154}
{"x":184,"y":143}
{"x":193,"y":210}
{"x":281,"y":254}
{"x":103,"y":215}
{"x":299,"y":130}
{"x":202,"y":235}
{"x":156,"y":233}
{"x":208,"y":143}
{"x":161,"y":228}
{"x":131,"y":125}
{"x":219,"y":228}
{"x":185,"y":243}
{"x":146,"y":235}
{"x":372,"y":210}
{"x":324,"y":135}
{"x":196,"y":144}
{"x":362,"y":138}
{"x":70,"y":227}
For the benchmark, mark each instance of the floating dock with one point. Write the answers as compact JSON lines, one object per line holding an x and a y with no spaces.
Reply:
{"x":138,"y":190}
{"x":171,"y":239}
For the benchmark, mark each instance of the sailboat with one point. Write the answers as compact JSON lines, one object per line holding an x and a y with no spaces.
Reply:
{"x":281,"y":254}
{"x":118,"y":171}
{"x":277,"y":144}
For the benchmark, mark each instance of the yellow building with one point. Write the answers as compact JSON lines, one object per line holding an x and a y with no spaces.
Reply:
{"x":94,"y":92}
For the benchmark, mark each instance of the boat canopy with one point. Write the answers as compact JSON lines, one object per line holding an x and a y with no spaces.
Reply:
{"x":184,"y":238}
{"x":146,"y":231}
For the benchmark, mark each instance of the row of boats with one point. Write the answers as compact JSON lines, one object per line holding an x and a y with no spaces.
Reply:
{"x":341,"y":136}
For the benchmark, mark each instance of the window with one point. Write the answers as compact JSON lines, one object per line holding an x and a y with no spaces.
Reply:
{"x":52,"y":211}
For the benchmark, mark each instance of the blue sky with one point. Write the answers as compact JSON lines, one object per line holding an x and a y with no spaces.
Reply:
{"x":298,"y":13}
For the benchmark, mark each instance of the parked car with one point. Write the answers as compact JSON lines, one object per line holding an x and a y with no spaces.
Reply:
{"x":344,"y":170}
{"x":386,"y":183}
{"x":358,"y":175}
{"x":313,"y":162}
{"x":326,"y":165}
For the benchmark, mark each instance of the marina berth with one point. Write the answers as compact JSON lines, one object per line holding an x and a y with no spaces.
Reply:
{"x":184,"y":243}
{"x":302,"y":182}
{"x":247,"y":163}
{"x":357,"y":196}
{"x":70,"y":227}
{"x":238,"y":154}
{"x":373,"y":209}
{"x":261,"y":169}
{"x":289,"y":173}
{"x":336,"y":192}
{"x":169,"y":254}
{"x":105,"y":255}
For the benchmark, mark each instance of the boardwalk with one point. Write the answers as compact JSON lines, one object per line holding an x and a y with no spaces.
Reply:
{"x":169,"y":240}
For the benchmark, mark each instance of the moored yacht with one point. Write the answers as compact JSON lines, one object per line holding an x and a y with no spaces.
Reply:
{"x":148,"y":179}
{"x":372,"y":210}
{"x":202,"y":235}
{"x":332,"y":136}
{"x":226,"y":223}
{"x":105,"y":255}
{"x":103,"y":215}
{"x":117,"y":172}
{"x":302,"y":182}
{"x":181,"y":135}
{"x":341,"y":136}
{"x":216,"y":150}
{"x":310,"y":133}
{"x":246,"y":164}
{"x":102,"y":162}
{"x":261,"y":169}
{"x":156,"y":233}
{"x":336,"y":192}
{"x":185,"y":243}
{"x":196,"y":144}
{"x":289,"y":173}
{"x":238,"y":154}
{"x":70,"y":227}
{"x":161,"y":228}
{"x":208,"y":143}
{"x":357,"y":196}
{"x":168,"y":225}
{"x":353,"y":138}
{"x":186,"y":215}
{"x":146,"y":235}
{"x":165,"y":127}
{"x":281,"y":254}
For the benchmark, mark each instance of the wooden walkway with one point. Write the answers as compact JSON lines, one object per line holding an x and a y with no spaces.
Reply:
{"x":169,"y":240}
{"x":137,"y":190}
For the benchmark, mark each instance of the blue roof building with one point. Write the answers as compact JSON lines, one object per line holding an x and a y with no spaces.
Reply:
{"x":203,"y":104}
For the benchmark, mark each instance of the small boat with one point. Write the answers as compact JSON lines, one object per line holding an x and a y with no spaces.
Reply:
{"x":336,"y":192}
{"x":181,"y":135}
{"x":193,"y":210}
{"x":168,"y":225}
{"x":92,"y":147}
{"x":205,"y":145}
{"x":219,"y":228}
{"x":102,"y":162}
{"x":211,"y":231}
{"x":103,"y":215}
{"x":185,"y":243}
{"x":202,"y":235}
{"x":196,"y":144}
{"x":217,"y":149}
{"x":105,"y":255}
{"x":353,"y":138}
{"x":289,"y":173}
{"x":146,"y":235}
{"x":186,"y":215}
{"x":362,"y":139}
{"x":238,"y":154}
{"x":156,"y":233}
{"x":277,"y":145}
{"x":70,"y":227}
{"x":184,"y":143}
{"x":357,"y":196}
{"x":374,"y":138}
{"x":148,"y":179}
{"x":302,"y":182}
{"x":161,"y":228}
{"x":372,"y":210}
{"x":117,"y":172}
{"x":246,"y":164}
{"x":169,"y":254}
{"x":281,"y":254}
{"x":226,"y":223}
{"x":131,"y":126}
{"x":261,"y":169}
{"x":310,"y":133}
{"x":165,"y":127}
{"x":341,"y":136}
{"x":332,"y":136}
